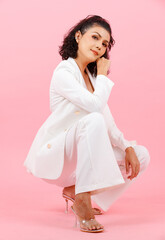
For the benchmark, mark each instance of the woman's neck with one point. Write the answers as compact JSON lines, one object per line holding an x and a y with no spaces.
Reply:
{"x":82,"y":65}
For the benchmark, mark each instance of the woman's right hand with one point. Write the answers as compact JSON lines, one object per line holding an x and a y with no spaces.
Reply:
{"x":103,"y":65}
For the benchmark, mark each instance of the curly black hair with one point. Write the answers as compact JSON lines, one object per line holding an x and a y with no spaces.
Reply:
{"x":70,"y":46}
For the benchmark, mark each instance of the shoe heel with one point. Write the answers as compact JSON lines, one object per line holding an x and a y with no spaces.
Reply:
{"x":66,"y":208}
{"x":66,"y":200}
{"x":76,"y":222}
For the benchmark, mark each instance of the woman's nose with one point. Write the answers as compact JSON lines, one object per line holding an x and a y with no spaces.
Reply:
{"x":98,"y":47}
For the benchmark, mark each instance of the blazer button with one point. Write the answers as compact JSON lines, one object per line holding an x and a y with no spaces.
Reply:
{"x":49,"y":146}
{"x":77,"y":112}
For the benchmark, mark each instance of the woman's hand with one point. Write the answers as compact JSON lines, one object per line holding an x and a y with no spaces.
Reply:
{"x":103,"y":65}
{"x":132,"y":161}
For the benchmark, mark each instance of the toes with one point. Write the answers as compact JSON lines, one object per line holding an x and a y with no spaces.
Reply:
{"x":90,"y":228}
{"x":96,"y":226}
{"x":93,"y":227}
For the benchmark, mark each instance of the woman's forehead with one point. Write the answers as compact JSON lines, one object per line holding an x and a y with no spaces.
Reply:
{"x":99,"y":30}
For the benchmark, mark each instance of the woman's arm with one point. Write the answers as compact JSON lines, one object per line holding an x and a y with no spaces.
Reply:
{"x":66,"y":85}
{"x":116,"y":136}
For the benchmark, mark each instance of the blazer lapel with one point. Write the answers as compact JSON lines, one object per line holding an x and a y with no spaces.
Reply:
{"x":93,"y":79}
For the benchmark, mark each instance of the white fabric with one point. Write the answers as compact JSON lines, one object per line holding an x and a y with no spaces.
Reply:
{"x":93,"y":164}
{"x":69,"y":102}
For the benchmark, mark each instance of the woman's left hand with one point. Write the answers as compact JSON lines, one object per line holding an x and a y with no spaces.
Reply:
{"x":131,"y":160}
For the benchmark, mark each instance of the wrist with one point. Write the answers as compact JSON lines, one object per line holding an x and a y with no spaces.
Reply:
{"x":128,"y":149}
{"x":101,"y":73}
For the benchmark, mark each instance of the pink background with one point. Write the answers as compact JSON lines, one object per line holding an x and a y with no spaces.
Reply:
{"x":30,"y":33}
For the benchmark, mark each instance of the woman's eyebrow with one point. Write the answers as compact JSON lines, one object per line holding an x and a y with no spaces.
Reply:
{"x":100,"y":36}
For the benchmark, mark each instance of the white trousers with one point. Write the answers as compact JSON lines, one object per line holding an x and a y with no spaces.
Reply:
{"x":90,"y":162}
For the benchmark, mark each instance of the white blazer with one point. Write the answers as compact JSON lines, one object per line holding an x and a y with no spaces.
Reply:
{"x":69,"y":101}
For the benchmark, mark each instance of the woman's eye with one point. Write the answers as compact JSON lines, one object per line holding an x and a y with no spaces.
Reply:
{"x":95,"y":37}
{"x":105,"y":45}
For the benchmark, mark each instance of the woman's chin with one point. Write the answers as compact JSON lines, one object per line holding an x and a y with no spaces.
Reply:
{"x":93,"y":58}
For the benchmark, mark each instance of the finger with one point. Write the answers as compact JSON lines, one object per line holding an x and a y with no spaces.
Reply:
{"x":133,"y":172}
{"x":137,"y":170}
{"x":137,"y":167}
{"x":127,"y":166}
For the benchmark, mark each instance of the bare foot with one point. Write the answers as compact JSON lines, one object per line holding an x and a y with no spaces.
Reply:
{"x":70,"y":191}
{"x":83,"y":208}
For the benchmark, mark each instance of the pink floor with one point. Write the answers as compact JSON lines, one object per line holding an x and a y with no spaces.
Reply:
{"x":31,"y":209}
{"x":31,"y":32}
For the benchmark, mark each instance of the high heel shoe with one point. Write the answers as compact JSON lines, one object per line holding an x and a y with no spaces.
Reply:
{"x":77,"y":222}
{"x":66,"y":200}
{"x":71,"y":199}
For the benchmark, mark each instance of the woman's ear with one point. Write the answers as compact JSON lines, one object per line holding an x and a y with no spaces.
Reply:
{"x":78,"y":35}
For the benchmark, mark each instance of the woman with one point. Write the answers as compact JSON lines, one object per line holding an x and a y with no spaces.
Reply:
{"x":79,"y":146}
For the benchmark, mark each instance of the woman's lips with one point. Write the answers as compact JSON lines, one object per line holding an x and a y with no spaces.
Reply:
{"x":96,"y":53}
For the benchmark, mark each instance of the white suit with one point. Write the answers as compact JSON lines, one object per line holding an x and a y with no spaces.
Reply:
{"x":70,"y":102}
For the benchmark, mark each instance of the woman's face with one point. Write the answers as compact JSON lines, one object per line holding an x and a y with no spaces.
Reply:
{"x":94,"y":39}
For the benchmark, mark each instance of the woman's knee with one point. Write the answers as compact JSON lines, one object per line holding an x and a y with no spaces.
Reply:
{"x":92,"y":124}
{"x":96,"y":119}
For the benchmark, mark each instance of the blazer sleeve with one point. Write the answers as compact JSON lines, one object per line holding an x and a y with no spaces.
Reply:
{"x":66,"y":85}
{"x":115,"y":135}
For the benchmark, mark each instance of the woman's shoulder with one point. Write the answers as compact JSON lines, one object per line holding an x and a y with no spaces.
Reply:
{"x":65,"y":65}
